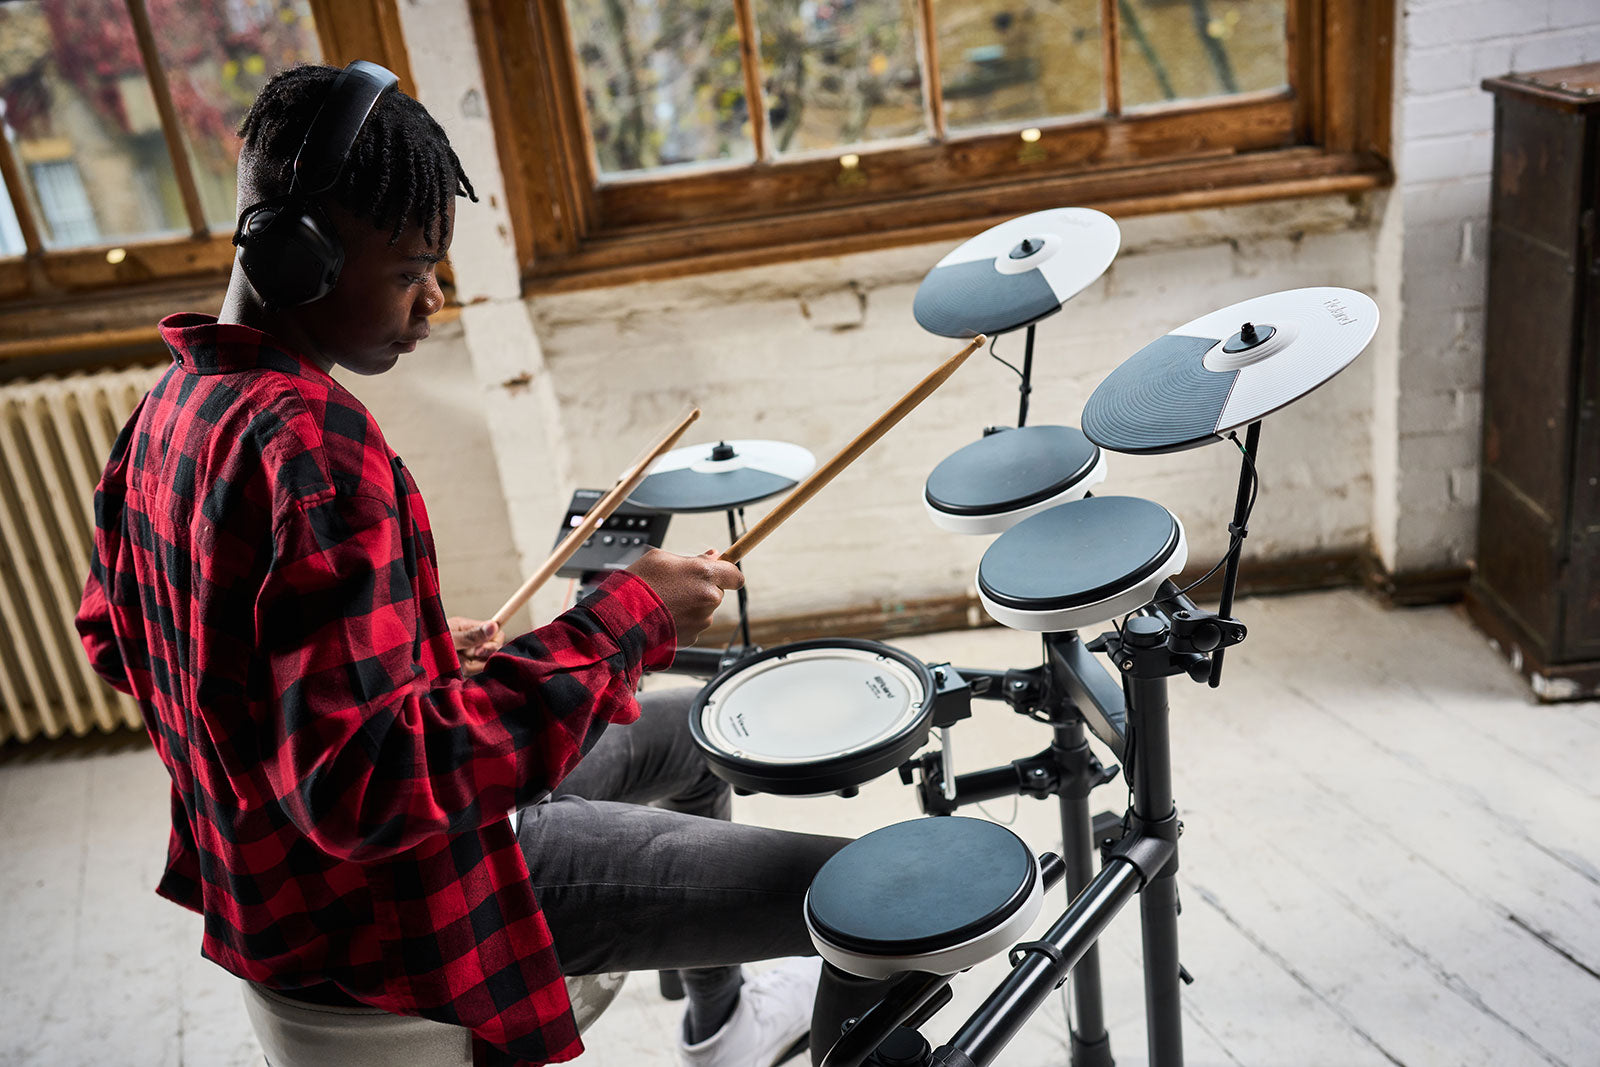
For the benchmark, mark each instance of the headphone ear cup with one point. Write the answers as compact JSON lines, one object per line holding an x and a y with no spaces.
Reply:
{"x":289,"y":252}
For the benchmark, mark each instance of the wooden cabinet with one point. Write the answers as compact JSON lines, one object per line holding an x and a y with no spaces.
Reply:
{"x":1537,"y":585}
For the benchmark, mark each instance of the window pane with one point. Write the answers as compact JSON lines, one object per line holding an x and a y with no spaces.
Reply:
{"x":661,"y":82}
{"x":1010,"y":61}
{"x":1183,"y":49}
{"x":11,"y":243}
{"x":217,"y":55}
{"x":840,"y":72}
{"x":84,"y":123}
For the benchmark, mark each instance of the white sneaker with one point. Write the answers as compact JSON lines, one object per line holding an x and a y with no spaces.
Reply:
{"x":770,"y":1023}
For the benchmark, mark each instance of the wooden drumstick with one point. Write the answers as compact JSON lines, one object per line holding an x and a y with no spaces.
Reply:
{"x":626,"y":483}
{"x":847,"y":455}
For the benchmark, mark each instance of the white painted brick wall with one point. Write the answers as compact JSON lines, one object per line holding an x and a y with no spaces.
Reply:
{"x":1443,"y":155}
{"x":564,"y":389}
{"x":811,"y":352}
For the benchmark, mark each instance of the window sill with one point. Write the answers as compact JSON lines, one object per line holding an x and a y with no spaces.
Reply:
{"x":118,"y":326}
{"x":658,"y":252}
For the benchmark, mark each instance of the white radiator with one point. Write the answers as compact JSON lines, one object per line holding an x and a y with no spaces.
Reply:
{"x":55,"y":435}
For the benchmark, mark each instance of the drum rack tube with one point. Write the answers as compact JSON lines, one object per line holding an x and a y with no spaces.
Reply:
{"x":1074,"y":689}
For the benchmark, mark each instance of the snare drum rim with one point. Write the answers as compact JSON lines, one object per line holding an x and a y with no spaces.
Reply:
{"x":826,"y":775}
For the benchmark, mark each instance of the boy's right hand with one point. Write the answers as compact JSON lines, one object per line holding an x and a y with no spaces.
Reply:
{"x":690,"y":586}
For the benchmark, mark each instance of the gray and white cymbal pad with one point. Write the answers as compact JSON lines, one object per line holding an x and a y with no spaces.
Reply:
{"x":1016,"y":273}
{"x":1228,"y":368}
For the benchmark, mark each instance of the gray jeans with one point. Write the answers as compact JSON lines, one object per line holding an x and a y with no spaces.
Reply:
{"x":637,"y":868}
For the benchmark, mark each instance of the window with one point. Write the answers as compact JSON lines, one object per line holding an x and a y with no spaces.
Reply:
{"x":118,"y":154}
{"x":643,"y":138}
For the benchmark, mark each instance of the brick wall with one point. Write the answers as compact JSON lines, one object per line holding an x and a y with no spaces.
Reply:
{"x":568,"y":386}
{"x":1431,"y":377}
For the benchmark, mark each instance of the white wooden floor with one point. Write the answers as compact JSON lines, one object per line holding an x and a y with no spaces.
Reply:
{"x":1392,"y":856}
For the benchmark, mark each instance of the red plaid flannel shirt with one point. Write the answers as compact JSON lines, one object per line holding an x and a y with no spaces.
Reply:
{"x":264,"y":583}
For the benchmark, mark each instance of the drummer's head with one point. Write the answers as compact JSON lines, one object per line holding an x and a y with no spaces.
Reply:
{"x":391,"y":210}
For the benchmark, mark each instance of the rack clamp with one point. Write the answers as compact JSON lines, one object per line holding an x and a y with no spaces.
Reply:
{"x":1150,"y":845}
{"x":1195,"y":630}
{"x":952,"y":696}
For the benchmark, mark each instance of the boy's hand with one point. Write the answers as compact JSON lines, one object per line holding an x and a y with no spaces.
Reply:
{"x":475,"y":641}
{"x":690,"y":586}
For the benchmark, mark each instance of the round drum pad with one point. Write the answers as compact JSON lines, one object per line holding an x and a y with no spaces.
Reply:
{"x":999,"y":480}
{"x":936,"y":895}
{"x":1080,"y":564}
{"x":814,"y":717}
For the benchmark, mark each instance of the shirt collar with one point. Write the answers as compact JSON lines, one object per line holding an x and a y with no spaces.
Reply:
{"x":202,"y":345}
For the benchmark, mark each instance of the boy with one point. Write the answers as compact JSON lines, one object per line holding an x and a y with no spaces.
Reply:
{"x":264,"y":583}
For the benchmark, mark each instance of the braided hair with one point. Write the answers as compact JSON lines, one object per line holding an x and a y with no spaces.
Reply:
{"x":400,"y":170}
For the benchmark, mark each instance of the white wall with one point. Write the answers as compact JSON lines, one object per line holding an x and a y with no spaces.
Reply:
{"x":1429,"y":408}
{"x":812,"y":352}
{"x":569,"y":386}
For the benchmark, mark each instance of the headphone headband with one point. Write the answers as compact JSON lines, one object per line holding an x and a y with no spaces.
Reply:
{"x":288,"y":249}
{"x":333,"y":132}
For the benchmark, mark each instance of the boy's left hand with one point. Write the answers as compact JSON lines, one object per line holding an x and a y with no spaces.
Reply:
{"x":475,"y":641}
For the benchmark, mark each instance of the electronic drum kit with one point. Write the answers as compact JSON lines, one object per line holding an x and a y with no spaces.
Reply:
{"x":826,"y":716}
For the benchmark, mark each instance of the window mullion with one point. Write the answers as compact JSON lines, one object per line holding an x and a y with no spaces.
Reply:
{"x":19,"y":197}
{"x":1111,"y":55}
{"x":930,"y":66}
{"x":750,"y":60}
{"x":170,"y":129}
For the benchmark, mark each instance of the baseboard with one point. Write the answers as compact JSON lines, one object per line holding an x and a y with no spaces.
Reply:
{"x":1549,"y":681}
{"x":1415,"y":588}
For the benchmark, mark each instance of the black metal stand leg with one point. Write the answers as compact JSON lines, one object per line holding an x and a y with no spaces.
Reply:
{"x":1158,"y":914}
{"x":1091,"y":1045}
{"x":1154,"y":815}
{"x":1027,"y":380}
{"x":744,"y":599}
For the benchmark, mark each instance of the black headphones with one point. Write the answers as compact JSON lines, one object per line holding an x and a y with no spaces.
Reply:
{"x":287,"y":246}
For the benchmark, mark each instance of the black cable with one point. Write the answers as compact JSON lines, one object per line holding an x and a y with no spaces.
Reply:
{"x":1236,"y":541}
{"x":997,"y":359}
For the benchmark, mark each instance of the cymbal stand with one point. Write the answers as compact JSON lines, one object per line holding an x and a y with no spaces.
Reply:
{"x":1027,"y":379}
{"x":745,"y":646}
{"x":708,"y":662}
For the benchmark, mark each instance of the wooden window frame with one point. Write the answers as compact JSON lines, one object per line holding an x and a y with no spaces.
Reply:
{"x":1327,"y":133}
{"x":41,"y":281}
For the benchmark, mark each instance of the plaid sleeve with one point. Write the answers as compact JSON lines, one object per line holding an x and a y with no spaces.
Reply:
{"x":93,"y":620}
{"x":370,"y":755}
{"x":94,"y":629}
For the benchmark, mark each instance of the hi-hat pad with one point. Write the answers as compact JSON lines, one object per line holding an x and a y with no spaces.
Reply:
{"x":721,"y":475}
{"x":1228,"y":368}
{"x":1016,"y":273}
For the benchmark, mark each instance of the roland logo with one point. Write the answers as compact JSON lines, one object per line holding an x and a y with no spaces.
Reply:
{"x":1337,"y":309}
{"x":878,"y":686}
{"x":736,"y":726}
